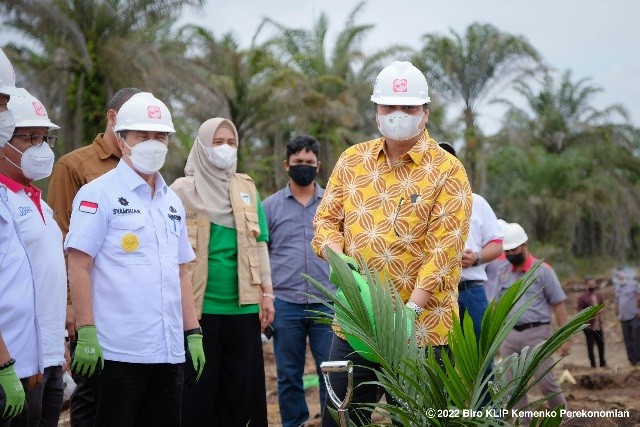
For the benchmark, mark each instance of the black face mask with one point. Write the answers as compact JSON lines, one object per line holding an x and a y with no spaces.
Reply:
{"x":516,"y":259}
{"x":592,"y":290}
{"x":303,"y":175}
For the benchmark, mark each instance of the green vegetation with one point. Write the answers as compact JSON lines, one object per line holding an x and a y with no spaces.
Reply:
{"x":566,"y":169}
{"x":418,"y":383}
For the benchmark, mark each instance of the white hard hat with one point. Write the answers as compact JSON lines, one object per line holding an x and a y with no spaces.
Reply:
{"x":28,"y":111}
{"x":514,"y":236}
{"x":400,"y":84}
{"x":7,"y":76}
{"x":144,"y":112}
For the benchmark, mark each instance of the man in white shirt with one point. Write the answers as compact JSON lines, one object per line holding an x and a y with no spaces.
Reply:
{"x":131,"y":292}
{"x":26,"y":157}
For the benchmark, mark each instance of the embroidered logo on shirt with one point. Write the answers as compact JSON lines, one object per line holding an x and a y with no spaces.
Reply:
{"x":24,"y":210}
{"x":88,"y":207}
{"x":129,"y":242}
{"x":172,"y":209}
{"x":245,"y":198}
{"x":123,"y":201}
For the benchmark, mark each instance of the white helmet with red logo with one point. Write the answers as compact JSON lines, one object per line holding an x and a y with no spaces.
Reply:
{"x":144,"y":112}
{"x":7,"y":76}
{"x":400,"y":84}
{"x":514,"y":236}
{"x":28,"y":112}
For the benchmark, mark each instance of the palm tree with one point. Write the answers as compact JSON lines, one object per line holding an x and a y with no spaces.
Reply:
{"x":77,"y":53}
{"x":333,"y":87}
{"x":567,"y":170}
{"x":467,"y":69}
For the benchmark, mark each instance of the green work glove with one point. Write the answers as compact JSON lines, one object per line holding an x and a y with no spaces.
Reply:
{"x":11,"y":393}
{"x":196,"y":352}
{"x":88,"y":352}
{"x":353,"y":264}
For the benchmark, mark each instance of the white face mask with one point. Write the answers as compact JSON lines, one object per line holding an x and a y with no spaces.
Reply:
{"x":148,"y":156}
{"x":7,"y":126}
{"x":36,"y":162}
{"x":222,"y":156}
{"x":399,"y":126}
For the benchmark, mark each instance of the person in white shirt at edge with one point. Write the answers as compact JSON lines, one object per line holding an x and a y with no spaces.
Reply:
{"x":484,"y":244}
{"x":21,"y":363}
{"x":128,"y":249}
{"x":534,"y":326}
{"x":27,"y":157}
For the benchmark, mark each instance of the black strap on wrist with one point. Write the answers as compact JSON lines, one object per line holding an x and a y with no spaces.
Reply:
{"x":193,"y":331}
{"x":11,"y":362}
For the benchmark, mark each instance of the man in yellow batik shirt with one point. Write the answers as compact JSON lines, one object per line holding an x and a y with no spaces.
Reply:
{"x":402,"y":205}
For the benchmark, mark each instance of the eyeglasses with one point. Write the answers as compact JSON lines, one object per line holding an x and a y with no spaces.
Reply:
{"x":36,"y":140}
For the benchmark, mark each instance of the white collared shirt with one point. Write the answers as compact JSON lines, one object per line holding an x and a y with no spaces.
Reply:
{"x":43,"y":241}
{"x":137,"y":243}
{"x":483,"y":228}
{"x":18,"y":323}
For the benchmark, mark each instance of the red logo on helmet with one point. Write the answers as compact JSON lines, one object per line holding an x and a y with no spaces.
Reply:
{"x":400,"y":85}
{"x":154,"y":112}
{"x":39,"y":109}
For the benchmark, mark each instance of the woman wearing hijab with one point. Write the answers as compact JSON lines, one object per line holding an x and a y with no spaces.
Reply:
{"x":231,"y":281}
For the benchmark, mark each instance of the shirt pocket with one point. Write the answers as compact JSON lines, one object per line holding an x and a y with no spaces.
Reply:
{"x":126,"y":241}
{"x":412,"y":217}
{"x":253,"y":225}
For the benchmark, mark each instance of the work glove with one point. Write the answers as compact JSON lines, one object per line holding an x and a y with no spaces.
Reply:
{"x":196,"y":353}
{"x":12,"y":396}
{"x":353,"y":264}
{"x":88,"y":358}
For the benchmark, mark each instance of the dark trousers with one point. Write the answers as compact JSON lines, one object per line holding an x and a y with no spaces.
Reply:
{"x":138,"y":394}
{"x":83,"y":401}
{"x":631,"y":335}
{"x":362,"y":393}
{"x":595,"y":338}
{"x":231,"y":391}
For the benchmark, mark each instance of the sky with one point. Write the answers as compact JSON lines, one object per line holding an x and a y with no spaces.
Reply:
{"x":595,"y":39}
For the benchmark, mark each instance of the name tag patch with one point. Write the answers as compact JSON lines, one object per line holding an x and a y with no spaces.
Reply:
{"x":245,"y":198}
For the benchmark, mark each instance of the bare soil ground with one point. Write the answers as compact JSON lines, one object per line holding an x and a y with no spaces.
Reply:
{"x":616,"y":387}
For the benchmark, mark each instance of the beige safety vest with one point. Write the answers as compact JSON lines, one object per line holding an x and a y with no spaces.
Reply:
{"x":245,"y":212}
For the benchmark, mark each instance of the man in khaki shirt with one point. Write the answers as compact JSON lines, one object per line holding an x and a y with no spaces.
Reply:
{"x":71,"y":172}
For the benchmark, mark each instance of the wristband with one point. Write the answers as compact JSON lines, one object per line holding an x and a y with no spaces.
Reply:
{"x":10,"y":362}
{"x":268,"y":295}
{"x":193,"y":331}
{"x":415,"y":307}
{"x":478,"y":259}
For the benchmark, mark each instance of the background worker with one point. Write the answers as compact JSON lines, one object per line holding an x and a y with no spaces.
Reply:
{"x":594,"y":332}
{"x":70,"y":172}
{"x":131,"y":291}
{"x":27,"y":157}
{"x":401,"y":205}
{"x":289,"y":214}
{"x":21,"y":363}
{"x":534,"y":326}
{"x":628,"y":311}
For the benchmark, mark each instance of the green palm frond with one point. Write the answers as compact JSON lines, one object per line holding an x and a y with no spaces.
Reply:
{"x":412,"y":375}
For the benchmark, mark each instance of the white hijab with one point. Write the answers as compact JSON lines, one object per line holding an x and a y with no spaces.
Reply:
{"x":209,"y":193}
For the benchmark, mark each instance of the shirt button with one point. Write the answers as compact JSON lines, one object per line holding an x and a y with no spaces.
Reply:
{"x":29,"y":194}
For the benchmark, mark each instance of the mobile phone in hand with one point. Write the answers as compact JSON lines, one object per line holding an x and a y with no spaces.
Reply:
{"x":269,"y":331}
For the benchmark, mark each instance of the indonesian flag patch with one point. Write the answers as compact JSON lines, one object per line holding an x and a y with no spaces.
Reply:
{"x":88,"y":207}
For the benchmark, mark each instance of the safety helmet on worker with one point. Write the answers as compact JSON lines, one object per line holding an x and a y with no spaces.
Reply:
{"x":400,"y":83}
{"x":144,"y":112}
{"x":28,"y":112}
{"x":514,"y":236}
{"x":7,"y":76}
